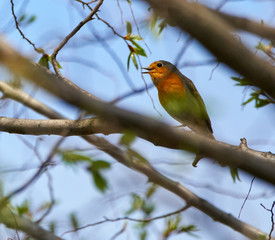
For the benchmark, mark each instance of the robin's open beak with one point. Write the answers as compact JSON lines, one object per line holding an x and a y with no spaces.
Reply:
{"x":148,"y":69}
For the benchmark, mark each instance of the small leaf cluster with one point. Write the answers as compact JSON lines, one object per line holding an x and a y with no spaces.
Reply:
{"x":257,"y":95}
{"x":46,"y":60}
{"x":126,"y":140}
{"x":145,"y":206}
{"x":159,"y":23}
{"x":26,"y":19}
{"x":174,"y":226}
{"x":24,"y":209}
{"x":74,"y":222}
{"x":135,"y":49}
{"x":94,"y":167}
{"x":234,"y":174}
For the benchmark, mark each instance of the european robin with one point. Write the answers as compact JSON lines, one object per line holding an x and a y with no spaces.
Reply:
{"x":180,"y":98}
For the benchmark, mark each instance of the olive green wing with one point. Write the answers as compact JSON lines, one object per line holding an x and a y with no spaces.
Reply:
{"x":191,"y":87}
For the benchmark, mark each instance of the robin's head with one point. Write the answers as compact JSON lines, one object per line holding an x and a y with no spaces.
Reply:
{"x":159,"y":70}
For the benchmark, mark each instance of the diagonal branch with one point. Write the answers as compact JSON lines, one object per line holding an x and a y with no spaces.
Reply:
{"x":71,"y":34}
{"x":215,"y":34}
{"x":20,"y":96}
{"x":19,"y":223}
{"x":190,"y":198}
{"x":259,"y":166}
{"x":247,"y":25}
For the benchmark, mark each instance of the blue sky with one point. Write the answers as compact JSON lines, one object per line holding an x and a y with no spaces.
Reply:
{"x":73,"y":188}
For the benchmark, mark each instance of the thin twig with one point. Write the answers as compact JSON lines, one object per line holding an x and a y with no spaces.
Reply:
{"x":120,"y":231}
{"x":213,"y":70}
{"x":34,"y":177}
{"x":18,"y":28}
{"x":272,"y":218}
{"x":250,"y":187}
{"x":127,"y":218}
{"x":121,"y":13}
{"x":116,"y":59}
{"x":132,"y":93}
{"x":135,"y":21}
{"x":70,"y":35}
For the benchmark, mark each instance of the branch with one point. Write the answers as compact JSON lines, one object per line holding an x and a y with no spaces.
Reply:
{"x":20,"y":96}
{"x":143,"y":167}
{"x":147,"y":127}
{"x":176,"y":188}
{"x":145,"y":220}
{"x":216,"y":35}
{"x":65,"y":127}
{"x":19,"y":30}
{"x":19,"y":223}
{"x":58,"y":126}
{"x":248,"y":25}
{"x":71,"y":34}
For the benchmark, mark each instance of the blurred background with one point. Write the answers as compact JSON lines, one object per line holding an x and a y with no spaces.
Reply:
{"x":96,"y":60}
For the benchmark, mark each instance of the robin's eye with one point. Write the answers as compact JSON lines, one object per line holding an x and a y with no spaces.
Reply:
{"x":159,"y":65}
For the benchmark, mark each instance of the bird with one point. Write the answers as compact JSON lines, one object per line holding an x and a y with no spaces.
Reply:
{"x":180,"y":98}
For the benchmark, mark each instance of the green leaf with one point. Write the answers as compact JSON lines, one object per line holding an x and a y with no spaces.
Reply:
{"x":52,"y":226}
{"x":134,"y":60}
{"x":262,"y":237}
{"x":261,"y":102}
{"x":143,"y":235}
{"x":150,"y":191}
{"x":137,"y":45}
{"x":141,"y":51}
{"x":162,"y":25}
{"x":129,"y":27}
{"x":137,"y":203}
{"x":32,"y":19}
{"x":24,"y":208}
{"x":74,"y":221}
{"x":99,"y":181}
{"x":100,"y":164}
{"x":44,"y":61}
{"x":154,"y":21}
{"x":261,"y":47}
{"x":234,"y":174}
{"x":58,"y":64}
{"x":22,"y":18}
{"x":148,"y":208}
{"x":135,"y":37}
{"x":71,"y":157}
{"x":188,"y":228}
{"x":241,"y":81}
{"x":248,"y":101}
{"x":128,"y":61}
{"x":134,"y":155}
{"x":128,"y":138}
{"x":129,"y":1}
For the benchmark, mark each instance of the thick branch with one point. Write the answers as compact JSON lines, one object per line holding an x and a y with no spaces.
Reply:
{"x":19,"y":223}
{"x":192,"y":199}
{"x":176,"y":188}
{"x":248,"y":25}
{"x":216,"y":35}
{"x":259,"y":166}
{"x":27,"y":100}
{"x":65,"y":127}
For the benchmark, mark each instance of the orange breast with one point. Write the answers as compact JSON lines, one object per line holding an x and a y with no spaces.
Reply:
{"x":171,"y":84}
